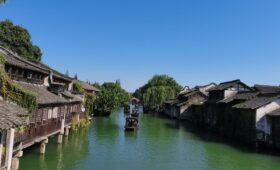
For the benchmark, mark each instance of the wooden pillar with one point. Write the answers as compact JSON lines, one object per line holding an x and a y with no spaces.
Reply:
{"x":60,"y":139}
{"x":43,"y":146}
{"x":15,"y":160}
{"x":1,"y":147}
{"x":15,"y":163}
{"x":9,"y":147}
{"x":1,"y":150}
{"x":62,"y":126}
{"x":66,"y":131}
{"x":60,"y":136}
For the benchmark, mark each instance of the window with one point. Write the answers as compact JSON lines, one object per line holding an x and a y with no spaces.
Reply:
{"x":10,"y":70}
{"x":35,"y":76}
{"x":49,"y":113}
{"x":29,"y":75}
{"x":45,"y":116}
{"x":39,"y":115}
{"x":55,"y":111}
{"x":20,"y":72}
{"x":13,"y":71}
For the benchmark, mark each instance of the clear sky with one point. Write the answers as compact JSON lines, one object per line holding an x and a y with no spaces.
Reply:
{"x":195,"y":41}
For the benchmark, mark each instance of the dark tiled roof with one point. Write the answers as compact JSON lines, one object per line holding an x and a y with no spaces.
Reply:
{"x":43,"y":95}
{"x":172,"y":101}
{"x":87,"y":86}
{"x":205,"y":86}
{"x":181,"y":103}
{"x":11,"y":116}
{"x":71,"y":97}
{"x":225,"y":85}
{"x":240,"y":96}
{"x":182,"y":99}
{"x":202,"y":89}
{"x":229,"y":84}
{"x":185,"y":100}
{"x":193,"y":92}
{"x":56,"y":73}
{"x":275,"y":113}
{"x":267,"y":89}
{"x":14,"y":60}
{"x":187,"y":92}
{"x":257,"y":102}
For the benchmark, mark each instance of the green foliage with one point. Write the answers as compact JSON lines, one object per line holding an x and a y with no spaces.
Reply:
{"x":80,"y":123}
{"x":110,"y":98}
{"x":155,"y":97}
{"x":18,"y":39}
{"x":97,"y":85}
{"x":14,"y":92}
{"x":21,"y":129}
{"x":158,"y":89}
{"x":77,"y":87}
{"x":89,"y":103}
{"x":85,"y":122}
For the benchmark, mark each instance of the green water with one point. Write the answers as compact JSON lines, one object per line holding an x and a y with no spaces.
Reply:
{"x":158,"y":144}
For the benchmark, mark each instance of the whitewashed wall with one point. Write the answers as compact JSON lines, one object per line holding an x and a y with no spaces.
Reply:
{"x":230,"y":93}
{"x":234,"y":90}
{"x":46,"y":81}
{"x":204,"y":89}
{"x":70,"y":87}
{"x":262,"y":123}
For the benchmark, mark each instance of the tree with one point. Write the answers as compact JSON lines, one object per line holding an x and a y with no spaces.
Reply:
{"x":106,"y":103}
{"x":2,"y":1}
{"x":18,"y":39}
{"x":111,"y":97}
{"x":97,"y":85}
{"x":158,"y":89}
{"x":89,"y":103}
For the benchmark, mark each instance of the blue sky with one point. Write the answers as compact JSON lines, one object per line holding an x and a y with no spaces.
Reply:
{"x":194,"y":41}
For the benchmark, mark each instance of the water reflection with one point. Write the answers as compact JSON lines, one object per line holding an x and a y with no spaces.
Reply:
{"x":159,"y":143}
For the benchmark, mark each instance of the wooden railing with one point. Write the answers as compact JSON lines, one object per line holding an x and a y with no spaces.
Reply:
{"x":40,"y":130}
{"x":44,"y":127}
{"x":20,"y":136}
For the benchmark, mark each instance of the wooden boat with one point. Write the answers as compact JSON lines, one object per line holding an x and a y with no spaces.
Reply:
{"x":135,"y":113}
{"x":131,"y":124}
{"x":127,"y":109}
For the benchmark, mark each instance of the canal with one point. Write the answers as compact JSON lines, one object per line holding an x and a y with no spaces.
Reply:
{"x":158,"y":144}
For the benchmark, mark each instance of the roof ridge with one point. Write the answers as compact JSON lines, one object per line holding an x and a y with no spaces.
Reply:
{"x":201,"y":86}
{"x":232,"y":81}
{"x":20,"y":58}
{"x":264,"y":85}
